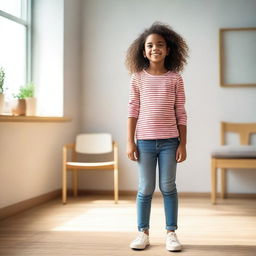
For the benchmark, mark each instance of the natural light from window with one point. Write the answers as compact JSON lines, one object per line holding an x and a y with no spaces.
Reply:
{"x":13,"y":7}
{"x":41,"y":63}
{"x":100,"y":219}
{"x":13,"y":55}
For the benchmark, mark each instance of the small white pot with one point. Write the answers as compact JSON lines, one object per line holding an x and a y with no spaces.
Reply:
{"x":1,"y":103}
{"x":31,"y":106}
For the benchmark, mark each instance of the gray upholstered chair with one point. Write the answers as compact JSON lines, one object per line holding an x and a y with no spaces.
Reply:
{"x":228,"y":156}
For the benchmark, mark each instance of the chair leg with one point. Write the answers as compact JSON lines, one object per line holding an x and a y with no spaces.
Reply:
{"x":74,"y":173}
{"x":64,"y":184}
{"x":223,"y":183}
{"x":116,"y":185}
{"x":214,"y":181}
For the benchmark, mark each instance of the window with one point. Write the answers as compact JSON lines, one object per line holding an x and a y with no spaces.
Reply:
{"x":15,"y":44}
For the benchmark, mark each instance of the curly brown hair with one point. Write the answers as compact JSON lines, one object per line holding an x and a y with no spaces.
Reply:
{"x":174,"y":61}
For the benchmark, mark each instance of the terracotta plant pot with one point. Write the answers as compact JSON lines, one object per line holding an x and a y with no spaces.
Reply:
{"x":18,"y":107}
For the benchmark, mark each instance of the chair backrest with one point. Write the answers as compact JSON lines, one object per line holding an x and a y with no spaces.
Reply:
{"x":244,"y":130}
{"x":94,"y":143}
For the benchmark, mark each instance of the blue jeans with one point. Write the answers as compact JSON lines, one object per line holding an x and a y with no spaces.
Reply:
{"x":162,"y":151}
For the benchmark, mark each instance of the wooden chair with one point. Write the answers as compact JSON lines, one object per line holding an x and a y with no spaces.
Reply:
{"x":227,"y":156}
{"x":92,"y":143}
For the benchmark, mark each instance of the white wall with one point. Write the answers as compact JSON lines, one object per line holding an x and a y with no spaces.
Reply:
{"x":31,"y":153}
{"x":72,"y":60}
{"x":48,"y":20}
{"x":108,"y":29}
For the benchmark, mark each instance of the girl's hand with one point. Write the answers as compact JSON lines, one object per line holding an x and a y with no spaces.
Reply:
{"x":132,"y":151}
{"x":181,"y":154}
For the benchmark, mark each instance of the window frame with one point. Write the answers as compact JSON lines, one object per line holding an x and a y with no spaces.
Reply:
{"x":27,"y":24}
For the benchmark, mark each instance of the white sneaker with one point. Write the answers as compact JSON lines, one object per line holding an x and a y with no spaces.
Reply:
{"x":172,"y":242}
{"x":141,"y":242}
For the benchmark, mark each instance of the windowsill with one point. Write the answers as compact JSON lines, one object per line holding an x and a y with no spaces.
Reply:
{"x":10,"y":118}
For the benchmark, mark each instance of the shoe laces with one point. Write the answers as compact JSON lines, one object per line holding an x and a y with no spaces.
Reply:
{"x":172,"y":237}
{"x":140,"y":237}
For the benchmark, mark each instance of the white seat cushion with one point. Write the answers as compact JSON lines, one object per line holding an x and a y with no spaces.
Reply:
{"x":229,"y":151}
{"x":84,"y":164}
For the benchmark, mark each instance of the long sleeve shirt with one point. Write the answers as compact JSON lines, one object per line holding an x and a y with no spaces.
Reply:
{"x":157,"y":101}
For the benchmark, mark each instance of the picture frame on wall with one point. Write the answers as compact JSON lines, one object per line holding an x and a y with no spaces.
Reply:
{"x":237,"y":54}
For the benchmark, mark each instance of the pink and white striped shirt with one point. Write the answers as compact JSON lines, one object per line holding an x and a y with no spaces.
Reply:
{"x":158,"y":103}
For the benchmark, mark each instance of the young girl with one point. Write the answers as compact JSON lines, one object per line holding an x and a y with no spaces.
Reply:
{"x":156,"y":111}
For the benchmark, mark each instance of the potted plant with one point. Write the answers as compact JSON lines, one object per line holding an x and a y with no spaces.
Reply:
{"x":2,"y":77}
{"x":29,"y":94}
{"x":26,"y":102}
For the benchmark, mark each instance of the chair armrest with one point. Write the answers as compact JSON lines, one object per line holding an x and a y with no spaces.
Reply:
{"x":65,"y":149}
{"x":115,"y":149}
{"x":69,"y":146}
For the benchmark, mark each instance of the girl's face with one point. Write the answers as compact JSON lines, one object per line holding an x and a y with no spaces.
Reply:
{"x":155,"y":48}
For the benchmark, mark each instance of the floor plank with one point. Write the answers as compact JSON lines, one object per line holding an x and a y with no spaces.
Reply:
{"x":96,"y":226}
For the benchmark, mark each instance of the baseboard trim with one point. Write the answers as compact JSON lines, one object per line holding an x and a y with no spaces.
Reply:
{"x":158,"y":193}
{"x":26,"y":204}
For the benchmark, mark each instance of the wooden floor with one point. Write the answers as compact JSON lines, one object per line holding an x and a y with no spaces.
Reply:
{"x":95,"y":226}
